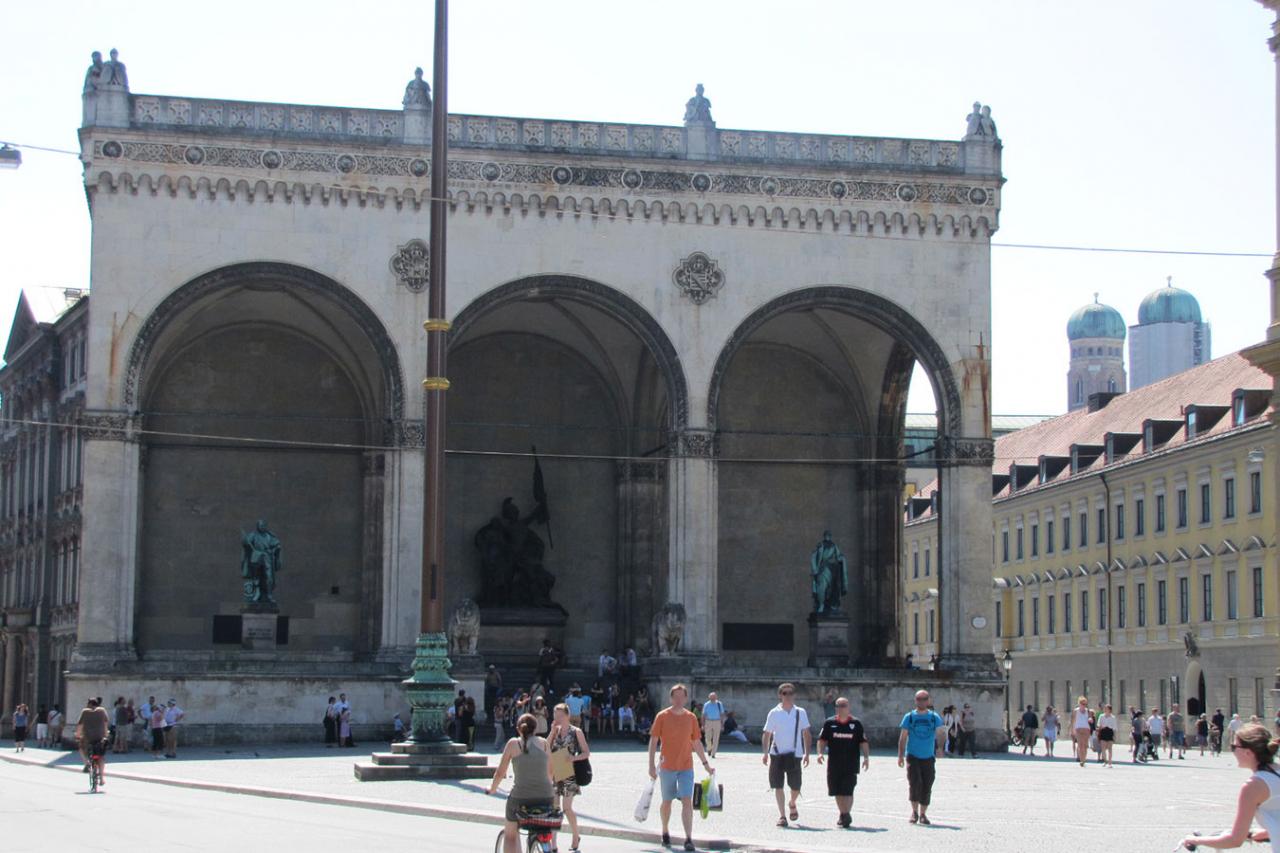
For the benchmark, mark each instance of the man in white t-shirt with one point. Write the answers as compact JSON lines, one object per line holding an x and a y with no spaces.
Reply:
{"x":1233,"y":727}
{"x":786,"y":733}
{"x":172,"y":718}
{"x":1155,"y":728}
{"x":607,"y":665}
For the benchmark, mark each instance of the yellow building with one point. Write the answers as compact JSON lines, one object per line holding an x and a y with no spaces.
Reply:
{"x":1133,"y":550}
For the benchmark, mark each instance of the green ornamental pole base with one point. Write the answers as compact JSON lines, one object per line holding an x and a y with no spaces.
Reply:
{"x":430,"y":689}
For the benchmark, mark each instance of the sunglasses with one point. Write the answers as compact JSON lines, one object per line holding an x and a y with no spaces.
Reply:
{"x":786,"y":692}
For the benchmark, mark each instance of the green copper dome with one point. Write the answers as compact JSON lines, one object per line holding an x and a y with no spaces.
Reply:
{"x":1096,"y":320}
{"x":1169,"y":304}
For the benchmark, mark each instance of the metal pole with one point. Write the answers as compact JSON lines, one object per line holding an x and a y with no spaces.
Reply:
{"x":430,"y":689}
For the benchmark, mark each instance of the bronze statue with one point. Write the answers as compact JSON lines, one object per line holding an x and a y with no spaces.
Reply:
{"x":259,"y":564}
{"x":829,"y":575}
{"x":511,"y":554}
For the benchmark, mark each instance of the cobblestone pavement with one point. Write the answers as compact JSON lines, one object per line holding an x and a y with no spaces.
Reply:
{"x":992,"y":804}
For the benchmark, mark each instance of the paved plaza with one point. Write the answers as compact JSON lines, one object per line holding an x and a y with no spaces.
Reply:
{"x":994,"y":804}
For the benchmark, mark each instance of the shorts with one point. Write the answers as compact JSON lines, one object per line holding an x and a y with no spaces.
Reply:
{"x":787,"y":765}
{"x":514,"y":803}
{"x":19,"y":732}
{"x":1155,"y":741}
{"x":1178,"y":739}
{"x":1106,"y":734}
{"x":676,"y":784}
{"x":841,"y":780}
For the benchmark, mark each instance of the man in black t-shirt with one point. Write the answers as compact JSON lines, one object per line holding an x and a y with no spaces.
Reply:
{"x":842,"y":738}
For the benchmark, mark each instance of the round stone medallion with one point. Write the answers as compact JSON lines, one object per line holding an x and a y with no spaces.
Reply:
{"x":491,"y":171}
{"x":701,"y":182}
{"x":562,"y":175}
{"x":839,"y":189}
{"x":418,"y":167}
{"x":979,"y":622}
{"x":631,"y":179}
{"x":977,"y":195}
{"x":769,"y":185}
{"x":907,"y":193}
{"x":194,"y":155}
{"x":272,"y":159}
{"x":346,"y":163}
{"x":112,"y":149}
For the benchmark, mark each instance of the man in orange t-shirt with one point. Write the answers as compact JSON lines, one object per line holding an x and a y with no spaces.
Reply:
{"x":677,"y":729}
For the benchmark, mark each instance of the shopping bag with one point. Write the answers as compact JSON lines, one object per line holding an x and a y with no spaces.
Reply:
{"x":708,"y":796}
{"x":642,"y":806}
{"x":715,"y":795}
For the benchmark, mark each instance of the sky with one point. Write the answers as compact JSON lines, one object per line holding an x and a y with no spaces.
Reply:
{"x":1139,"y":124}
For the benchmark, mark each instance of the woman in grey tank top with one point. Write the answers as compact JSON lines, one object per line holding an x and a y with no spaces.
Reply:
{"x":527,"y":756}
{"x":1254,"y":750}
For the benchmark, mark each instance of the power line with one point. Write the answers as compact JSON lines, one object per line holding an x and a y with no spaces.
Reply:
{"x":1051,"y":247}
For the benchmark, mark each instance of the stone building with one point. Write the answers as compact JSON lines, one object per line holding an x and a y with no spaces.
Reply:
{"x":707,"y":334}
{"x":1170,"y":336}
{"x":41,"y":490}
{"x":1133,"y":549}
{"x":1096,"y":335}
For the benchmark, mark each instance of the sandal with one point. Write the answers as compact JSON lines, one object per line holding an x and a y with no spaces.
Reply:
{"x":782,"y":821}
{"x":915,"y":818}
{"x":795,"y":815}
{"x":924,"y":821}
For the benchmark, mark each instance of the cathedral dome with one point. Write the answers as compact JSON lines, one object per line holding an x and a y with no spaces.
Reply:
{"x":1096,"y":320}
{"x":1169,"y":304}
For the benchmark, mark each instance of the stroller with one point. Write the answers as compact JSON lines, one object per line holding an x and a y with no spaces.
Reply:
{"x":1147,"y":749}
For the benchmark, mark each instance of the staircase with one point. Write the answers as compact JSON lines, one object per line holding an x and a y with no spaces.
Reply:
{"x":432,"y":761}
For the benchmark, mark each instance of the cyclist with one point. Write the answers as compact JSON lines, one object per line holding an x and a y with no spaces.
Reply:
{"x":528,"y":756}
{"x":92,"y":728}
{"x":1254,"y":750}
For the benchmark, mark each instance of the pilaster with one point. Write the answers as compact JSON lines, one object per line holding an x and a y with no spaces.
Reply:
{"x":692,"y":576}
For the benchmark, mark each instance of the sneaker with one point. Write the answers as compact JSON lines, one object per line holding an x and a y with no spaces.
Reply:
{"x":688,"y":844}
{"x":666,"y":839}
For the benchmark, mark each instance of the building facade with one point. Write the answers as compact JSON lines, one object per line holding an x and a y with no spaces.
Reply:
{"x":1170,"y":336}
{"x":707,"y":334}
{"x":1096,"y":335}
{"x":41,"y":491}
{"x":1133,"y":549}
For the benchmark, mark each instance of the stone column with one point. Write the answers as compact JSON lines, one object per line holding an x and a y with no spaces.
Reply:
{"x":109,"y":542}
{"x":373,"y":467}
{"x":964,"y":576}
{"x":639,"y":549}
{"x":694,"y":520}
{"x":402,"y":545}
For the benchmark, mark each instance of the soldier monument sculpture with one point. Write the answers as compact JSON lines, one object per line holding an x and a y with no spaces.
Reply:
{"x":828,"y":623}
{"x":259,"y":564}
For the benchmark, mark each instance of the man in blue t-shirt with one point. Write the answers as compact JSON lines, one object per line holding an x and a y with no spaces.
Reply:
{"x":916,"y":741}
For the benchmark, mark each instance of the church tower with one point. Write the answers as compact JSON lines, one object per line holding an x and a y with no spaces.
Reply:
{"x":1096,"y":333}
{"x":1170,"y":336}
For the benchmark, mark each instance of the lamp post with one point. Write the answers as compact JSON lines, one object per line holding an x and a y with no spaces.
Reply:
{"x":430,"y":688}
{"x":1006,"y":661}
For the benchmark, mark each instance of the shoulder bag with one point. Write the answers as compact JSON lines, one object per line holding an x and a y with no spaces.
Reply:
{"x":581,"y":769}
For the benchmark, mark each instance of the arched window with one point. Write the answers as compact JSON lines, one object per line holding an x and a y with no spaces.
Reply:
{"x":1079,"y":390}
{"x":1111,"y":386}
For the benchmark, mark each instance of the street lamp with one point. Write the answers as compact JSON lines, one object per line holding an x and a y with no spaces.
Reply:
{"x":1007,"y":662}
{"x":10,"y":157}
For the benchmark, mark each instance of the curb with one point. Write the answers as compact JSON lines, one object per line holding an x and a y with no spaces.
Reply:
{"x":585,"y":828}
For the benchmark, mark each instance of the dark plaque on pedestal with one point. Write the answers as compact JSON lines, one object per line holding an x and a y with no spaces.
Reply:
{"x":828,"y":639}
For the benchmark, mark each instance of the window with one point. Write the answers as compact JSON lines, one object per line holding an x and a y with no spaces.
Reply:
{"x":1079,"y":391}
{"x":1102,"y":609}
{"x":1004,"y":544}
{"x":1259,"y":699}
{"x":999,"y":619}
{"x":1121,"y":703}
{"x":1066,"y":618}
{"x":1162,"y":602}
{"x":1139,"y":517}
{"x":1021,"y":621}
{"x":1120,"y":607}
{"x":915,"y":561}
{"x":1159,"y":513}
{"x":1084,"y":611}
{"x":1233,"y":696}
{"x":1035,"y":540}
{"x":1206,"y":503}
{"x":1048,"y":536}
{"x":1182,"y":508}
{"x":1184,"y":600}
{"x":1084,"y":530}
{"x":1232,"y":592}
{"x":929,"y":623}
{"x":1142,"y":694}
{"x":1119,"y":521}
{"x":1035,"y":616}
{"x":1142,"y":610}
{"x":927,"y":555}
{"x":1229,"y":498}
{"x":1019,"y":543}
{"x":1257,"y":592}
{"x":1255,"y":491}
{"x":1102,"y":524}
{"x":1066,"y":533}
{"x":1053,"y":628}
{"x":1206,"y":597}
{"x":915,"y":628}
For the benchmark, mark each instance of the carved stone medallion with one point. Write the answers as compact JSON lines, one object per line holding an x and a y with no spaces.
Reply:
{"x":411,"y":265}
{"x":698,"y":277}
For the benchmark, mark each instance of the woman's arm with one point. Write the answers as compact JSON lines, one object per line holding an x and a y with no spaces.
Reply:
{"x":501,"y":772}
{"x":1253,"y":794}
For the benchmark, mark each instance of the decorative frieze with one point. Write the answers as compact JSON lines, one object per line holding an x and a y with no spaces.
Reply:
{"x":979,"y":452}
{"x":695,"y":443}
{"x":409,"y":434}
{"x":105,"y":425}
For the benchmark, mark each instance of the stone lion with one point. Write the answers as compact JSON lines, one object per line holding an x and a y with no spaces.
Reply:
{"x":668,"y":629}
{"x":464,"y":628}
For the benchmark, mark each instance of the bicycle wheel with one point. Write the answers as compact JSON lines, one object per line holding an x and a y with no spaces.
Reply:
{"x":502,"y":836}
{"x":534,"y":845}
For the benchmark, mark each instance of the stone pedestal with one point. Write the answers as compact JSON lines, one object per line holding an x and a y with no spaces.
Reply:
{"x":258,"y":630}
{"x":516,"y":633}
{"x":828,"y":639}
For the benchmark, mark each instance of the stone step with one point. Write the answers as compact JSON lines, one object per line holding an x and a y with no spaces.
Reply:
{"x":441,"y":748}
{"x":396,"y":759}
{"x":383,"y":773}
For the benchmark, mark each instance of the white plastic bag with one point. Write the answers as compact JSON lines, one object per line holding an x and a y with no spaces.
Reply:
{"x":642,"y":806}
{"x":713,"y":794}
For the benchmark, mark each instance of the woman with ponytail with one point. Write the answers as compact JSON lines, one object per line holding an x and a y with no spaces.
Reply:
{"x":1255,"y":750}
{"x":527,"y":756}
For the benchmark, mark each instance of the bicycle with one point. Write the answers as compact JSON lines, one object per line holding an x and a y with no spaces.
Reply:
{"x":96,"y":753}
{"x":541,"y":823}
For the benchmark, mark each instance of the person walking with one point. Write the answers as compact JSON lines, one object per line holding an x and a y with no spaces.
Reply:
{"x":568,"y":748}
{"x":1050,"y":733}
{"x":713,"y":722}
{"x":1202,"y":733}
{"x":1255,"y":750}
{"x":1080,"y":730}
{"x":916,"y":751}
{"x":1155,"y":728}
{"x":1232,"y":728}
{"x":527,"y":755}
{"x":786,"y":732}
{"x":492,"y":689}
{"x":968,"y":730}
{"x":42,"y":728}
{"x":1030,"y":724}
{"x":1137,"y":725}
{"x":56,"y":724}
{"x":949,"y":729}
{"x":676,"y":729}
{"x":344,"y":729}
{"x":331,"y":723}
{"x":123,"y":726}
{"x":1219,"y":722}
{"x":1107,"y":725}
{"x":21,"y":718}
{"x":173,"y":716}
{"x":1177,"y":732}
{"x":842,"y":736}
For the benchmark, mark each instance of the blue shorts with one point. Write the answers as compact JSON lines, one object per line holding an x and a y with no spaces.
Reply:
{"x":676,"y":784}
{"x":1179,"y":738}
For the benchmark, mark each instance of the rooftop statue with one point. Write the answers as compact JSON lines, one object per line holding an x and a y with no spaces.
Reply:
{"x":979,"y":124}
{"x":113,"y":73}
{"x":698,"y":109}
{"x":93,"y":77}
{"x":417,"y":94}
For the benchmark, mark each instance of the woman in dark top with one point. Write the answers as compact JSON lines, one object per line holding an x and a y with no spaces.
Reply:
{"x":331,"y":724}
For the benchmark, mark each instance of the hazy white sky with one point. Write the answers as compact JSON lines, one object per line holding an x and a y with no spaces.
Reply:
{"x":1142,"y":123}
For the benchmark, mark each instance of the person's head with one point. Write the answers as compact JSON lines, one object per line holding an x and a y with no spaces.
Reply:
{"x":1155,"y":712}
{"x":462,"y":694}
{"x":786,"y":693}
{"x":525,"y":727}
{"x":1235,"y":716}
{"x":540,"y":703}
{"x":679,"y":695}
{"x":1254,"y":747}
{"x":342,"y":696}
{"x":173,"y":703}
{"x":922,"y":699}
{"x":561,"y":713}
{"x":1175,"y":706}
{"x":1082,"y":702}
{"x":1107,"y":708}
{"x":842,"y":708}
{"x":1028,"y":707}
{"x":966,"y":706}
{"x":153,"y":700}
{"x":712,"y":697}
{"x":1203,"y":716}
{"x":92,"y":703}
{"x":577,"y":690}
